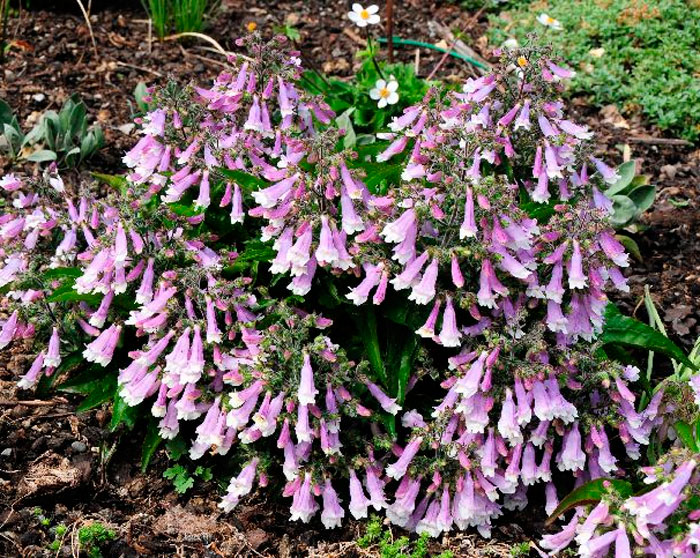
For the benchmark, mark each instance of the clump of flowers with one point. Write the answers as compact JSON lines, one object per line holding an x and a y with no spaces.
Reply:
{"x":662,"y":521}
{"x":235,"y":283}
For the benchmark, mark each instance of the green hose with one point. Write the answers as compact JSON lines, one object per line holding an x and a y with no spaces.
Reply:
{"x":400,"y":41}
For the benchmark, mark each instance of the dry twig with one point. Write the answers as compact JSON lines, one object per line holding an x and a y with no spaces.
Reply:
{"x":86,"y":15}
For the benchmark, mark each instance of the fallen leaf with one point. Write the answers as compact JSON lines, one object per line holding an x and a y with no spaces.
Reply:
{"x":611,"y":115}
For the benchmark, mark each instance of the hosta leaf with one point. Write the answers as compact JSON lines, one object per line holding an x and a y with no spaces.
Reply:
{"x":643,"y":197}
{"x":624,"y":330}
{"x":589,"y":493}
{"x":624,"y":210}
{"x":626,"y":172}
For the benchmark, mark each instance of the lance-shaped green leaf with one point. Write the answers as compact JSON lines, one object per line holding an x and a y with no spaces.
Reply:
{"x":624,"y":330}
{"x":590,"y":493}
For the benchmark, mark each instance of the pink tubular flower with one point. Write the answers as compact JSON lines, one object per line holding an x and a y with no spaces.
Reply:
{"x":449,"y":334}
{"x":468,"y":228}
{"x":304,"y":506}
{"x":387,"y":403}
{"x":53,"y":355}
{"x":102,"y":349}
{"x":611,"y":176}
{"x":307,"y":391}
{"x":32,"y":376}
{"x":332,"y":514}
{"x":424,"y":291}
{"x":373,"y":276}
{"x":7,"y":332}
{"x":358,"y":501}
{"x":399,"y":468}
{"x":396,"y":231}
{"x":427,"y":330}
{"x":577,"y":279}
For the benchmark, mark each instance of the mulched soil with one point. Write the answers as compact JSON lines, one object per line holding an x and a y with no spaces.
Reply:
{"x":59,"y":467}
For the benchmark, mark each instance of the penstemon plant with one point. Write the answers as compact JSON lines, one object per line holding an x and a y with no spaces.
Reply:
{"x":411,"y":328}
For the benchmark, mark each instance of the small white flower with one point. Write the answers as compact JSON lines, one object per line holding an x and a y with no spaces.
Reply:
{"x":362,"y":17}
{"x":510,"y":44}
{"x":549,"y":21}
{"x":385,"y":92}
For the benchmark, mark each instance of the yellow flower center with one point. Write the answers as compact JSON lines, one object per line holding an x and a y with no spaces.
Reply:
{"x":522,"y":61}
{"x":252,"y":26}
{"x":550,"y":20}
{"x":384,"y":92}
{"x":364,"y":14}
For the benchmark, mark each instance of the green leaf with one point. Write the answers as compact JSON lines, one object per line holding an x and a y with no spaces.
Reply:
{"x":122,"y":413}
{"x":6,"y":115}
{"x":66,"y":293}
{"x":99,"y":386}
{"x":367,"y":326}
{"x":151,"y":443}
{"x":256,"y":250}
{"x":589,"y":493}
{"x":406,"y":366}
{"x":643,"y":197}
{"x":203,"y":473}
{"x":182,"y":481}
{"x":246,"y":181}
{"x":140,"y":91}
{"x":624,"y":211}
{"x":626,"y":172}
{"x":61,"y":272}
{"x":685,"y":433}
{"x":344,"y":123}
{"x":630,"y":245}
{"x":620,"y":329}
{"x":378,"y":173}
{"x":174,"y":471}
{"x":42,"y":156}
{"x":177,"y":447}
{"x":184,"y":210}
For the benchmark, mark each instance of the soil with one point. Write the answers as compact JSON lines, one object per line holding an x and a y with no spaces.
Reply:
{"x":59,"y":467}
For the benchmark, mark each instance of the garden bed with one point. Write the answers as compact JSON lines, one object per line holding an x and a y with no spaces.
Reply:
{"x":52,"y":457}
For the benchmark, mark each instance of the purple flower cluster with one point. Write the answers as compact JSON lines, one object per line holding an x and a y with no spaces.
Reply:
{"x":640,"y":525}
{"x":495,"y":235}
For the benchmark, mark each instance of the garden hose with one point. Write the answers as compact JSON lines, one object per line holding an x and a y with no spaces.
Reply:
{"x":400,"y":41}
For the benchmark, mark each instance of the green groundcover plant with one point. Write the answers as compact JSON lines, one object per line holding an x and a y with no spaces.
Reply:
{"x":419,"y":325}
{"x":642,"y":55}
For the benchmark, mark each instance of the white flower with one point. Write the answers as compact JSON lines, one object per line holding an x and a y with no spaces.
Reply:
{"x":510,"y":43}
{"x":364,"y":16}
{"x":549,"y":21}
{"x":385,"y":92}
